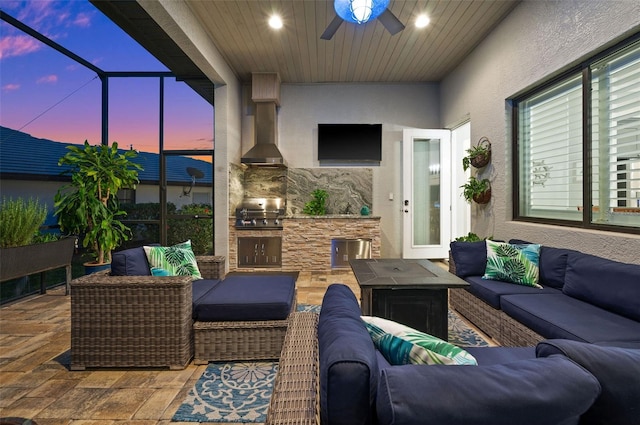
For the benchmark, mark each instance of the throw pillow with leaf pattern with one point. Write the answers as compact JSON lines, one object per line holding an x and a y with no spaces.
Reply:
{"x":400,"y":344}
{"x":176,"y":260}
{"x":515,"y":263}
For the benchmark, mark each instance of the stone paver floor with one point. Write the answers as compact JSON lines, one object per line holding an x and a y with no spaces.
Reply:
{"x":36,"y":383}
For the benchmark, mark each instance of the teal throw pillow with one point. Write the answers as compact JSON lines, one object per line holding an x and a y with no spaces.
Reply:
{"x":400,"y":344}
{"x":176,"y":260}
{"x":515,"y":263}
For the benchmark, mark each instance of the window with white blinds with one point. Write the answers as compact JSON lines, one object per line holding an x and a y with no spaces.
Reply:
{"x":615,"y":134}
{"x":551,"y":141}
{"x":551,"y":152}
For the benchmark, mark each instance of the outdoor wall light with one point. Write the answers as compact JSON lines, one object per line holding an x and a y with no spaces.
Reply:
{"x":360,"y":11}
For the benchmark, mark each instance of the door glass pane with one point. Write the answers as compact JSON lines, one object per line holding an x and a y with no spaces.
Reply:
{"x":426,"y":191}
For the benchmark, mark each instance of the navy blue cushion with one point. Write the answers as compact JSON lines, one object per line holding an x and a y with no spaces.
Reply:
{"x":199,"y":288}
{"x":617,"y":370}
{"x":130,"y":262}
{"x":470,"y":258}
{"x":527,"y":392}
{"x":553,"y":265}
{"x":560,"y":316}
{"x":348,"y":361}
{"x":490,"y":290}
{"x":486,"y":356}
{"x":608,"y":284}
{"x":255,"y":297}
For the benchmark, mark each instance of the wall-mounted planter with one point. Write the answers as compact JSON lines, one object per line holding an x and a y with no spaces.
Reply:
{"x":482,"y":198}
{"x":479,"y":155}
{"x":477,"y":190}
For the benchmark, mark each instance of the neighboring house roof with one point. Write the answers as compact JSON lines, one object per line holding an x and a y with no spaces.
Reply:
{"x":23,"y":156}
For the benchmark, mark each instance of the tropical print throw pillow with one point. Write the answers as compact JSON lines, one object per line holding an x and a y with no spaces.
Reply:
{"x":515,"y":263}
{"x":400,"y":344}
{"x":176,"y":260}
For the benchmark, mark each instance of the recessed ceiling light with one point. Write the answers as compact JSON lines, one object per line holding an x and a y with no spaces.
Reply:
{"x":422,"y":21}
{"x":275,"y":22}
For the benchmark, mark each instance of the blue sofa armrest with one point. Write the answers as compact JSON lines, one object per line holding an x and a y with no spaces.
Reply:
{"x":549,"y":391}
{"x":348,"y":361}
{"x":618,"y":371}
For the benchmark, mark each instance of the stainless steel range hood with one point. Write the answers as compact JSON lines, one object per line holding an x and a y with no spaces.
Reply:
{"x":266,"y":95}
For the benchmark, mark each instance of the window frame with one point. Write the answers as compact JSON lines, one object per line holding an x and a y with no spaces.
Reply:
{"x":583,"y":69}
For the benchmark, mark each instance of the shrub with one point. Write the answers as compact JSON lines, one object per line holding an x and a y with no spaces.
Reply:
{"x":20,"y":221}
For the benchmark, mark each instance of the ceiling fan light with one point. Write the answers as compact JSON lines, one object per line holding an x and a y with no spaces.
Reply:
{"x":359,"y":11}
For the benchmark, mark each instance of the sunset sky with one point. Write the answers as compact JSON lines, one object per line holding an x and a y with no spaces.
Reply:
{"x":47,"y":95}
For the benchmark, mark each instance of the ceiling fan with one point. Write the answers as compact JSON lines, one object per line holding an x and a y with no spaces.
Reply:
{"x":360,"y":12}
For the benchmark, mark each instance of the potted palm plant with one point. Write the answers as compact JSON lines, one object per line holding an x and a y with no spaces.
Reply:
{"x":88,"y":205}
{"x":477,"y":190}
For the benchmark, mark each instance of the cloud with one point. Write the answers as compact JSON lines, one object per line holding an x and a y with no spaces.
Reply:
{"x":18,"y":45}
{"x":11,"y":87}
{"x":82,"y":20}
{"x":51,"y":17}
{"x":52,"y":78}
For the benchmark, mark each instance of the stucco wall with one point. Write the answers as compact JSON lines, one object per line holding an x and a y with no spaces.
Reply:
{"x":396,"y":106}
{"x":538,"y":39}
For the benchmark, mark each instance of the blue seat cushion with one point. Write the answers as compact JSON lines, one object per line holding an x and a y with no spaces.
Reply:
{"x":130,"y":262}
{"x":255,"y":297}
{"x":199,"y":288}
{"x":617,"y":370}
{"x":608,"y":284}
{"x":563,"y":317}
{"x":486,"y":356}
{"x":348,"y":361}
{"x":526,"y":392}
{"x":490,"y":291}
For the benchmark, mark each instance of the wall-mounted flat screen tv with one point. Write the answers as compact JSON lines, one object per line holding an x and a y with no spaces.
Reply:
{"x":350,"y":142}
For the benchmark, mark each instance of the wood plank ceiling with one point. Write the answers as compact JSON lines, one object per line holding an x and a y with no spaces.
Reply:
{"x":357,"y":53}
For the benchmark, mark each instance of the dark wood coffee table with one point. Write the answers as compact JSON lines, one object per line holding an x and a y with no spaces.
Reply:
{"x":411,"y":292}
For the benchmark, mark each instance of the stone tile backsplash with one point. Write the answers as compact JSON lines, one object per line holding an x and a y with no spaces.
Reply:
{"x":348,"y":188}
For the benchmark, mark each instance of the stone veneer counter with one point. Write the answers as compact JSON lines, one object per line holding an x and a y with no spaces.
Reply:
{"x":306,"y":240}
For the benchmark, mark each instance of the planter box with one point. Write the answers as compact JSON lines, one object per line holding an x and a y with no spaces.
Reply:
{"x":25,"y":260}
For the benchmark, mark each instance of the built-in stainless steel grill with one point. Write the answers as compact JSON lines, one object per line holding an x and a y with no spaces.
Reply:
{"x":260,"y":213}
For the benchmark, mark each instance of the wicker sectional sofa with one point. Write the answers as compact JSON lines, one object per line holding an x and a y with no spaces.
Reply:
{"x":583,"y":298}
{"x":331,"y":374}
{"x":137,"y":320}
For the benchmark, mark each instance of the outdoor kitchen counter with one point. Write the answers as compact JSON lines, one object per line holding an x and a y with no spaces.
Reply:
{"x":331,"y":217}
{"x":306,"y":239}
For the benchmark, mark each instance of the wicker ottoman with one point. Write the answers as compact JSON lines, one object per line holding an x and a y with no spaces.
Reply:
{"x":239,"y":340}
{"x":244,"y":317}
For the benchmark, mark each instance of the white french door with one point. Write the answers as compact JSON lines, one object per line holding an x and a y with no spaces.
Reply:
{"x":427,"y":193}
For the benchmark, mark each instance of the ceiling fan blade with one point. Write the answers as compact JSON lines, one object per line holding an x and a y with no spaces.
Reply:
{"x":390,"y":22}
{"x":332,"y":28}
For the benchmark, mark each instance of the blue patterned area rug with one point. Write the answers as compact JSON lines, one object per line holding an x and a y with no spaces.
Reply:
{"x":230,"y":392}
{"x":240,"y":391}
